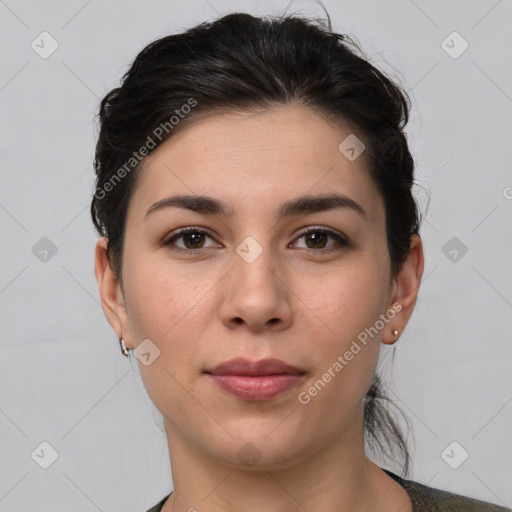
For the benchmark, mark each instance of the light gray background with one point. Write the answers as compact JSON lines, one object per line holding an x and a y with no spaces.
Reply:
{"x":62,"y":377}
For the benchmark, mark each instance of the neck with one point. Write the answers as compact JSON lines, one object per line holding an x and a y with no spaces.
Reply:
{"x":337,"y":477}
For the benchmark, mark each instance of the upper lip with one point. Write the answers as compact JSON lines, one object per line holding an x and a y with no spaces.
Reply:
{"x":241,"y":366}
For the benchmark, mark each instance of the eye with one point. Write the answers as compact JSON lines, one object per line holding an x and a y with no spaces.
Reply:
{"x":316,"y":239}
{"x":193,"y":239}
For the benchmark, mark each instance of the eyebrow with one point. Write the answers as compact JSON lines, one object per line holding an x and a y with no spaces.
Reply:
{"x":300,"y":205}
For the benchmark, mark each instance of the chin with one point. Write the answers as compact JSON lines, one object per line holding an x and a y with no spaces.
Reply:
{"x":261,"y":451}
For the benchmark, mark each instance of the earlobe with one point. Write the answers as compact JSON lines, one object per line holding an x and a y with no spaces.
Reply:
{"x":111,"y":296}
{"x":406,"y":288}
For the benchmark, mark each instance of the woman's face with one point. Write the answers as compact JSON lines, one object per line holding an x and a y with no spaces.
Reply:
{"x":255,"y":282}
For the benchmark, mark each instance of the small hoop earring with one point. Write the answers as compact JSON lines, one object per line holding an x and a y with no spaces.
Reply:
{"x":124,"y":350}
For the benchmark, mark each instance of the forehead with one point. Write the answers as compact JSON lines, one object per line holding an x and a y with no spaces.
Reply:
{"x":256,"y":159}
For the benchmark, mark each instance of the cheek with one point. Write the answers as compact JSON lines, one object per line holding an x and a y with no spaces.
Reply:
{"x":345,"y":355}
{"x":167,"y":308}
{"x":162,"y":300}
{"x":171,"y":306}
{"x":343,"y":308}
{"x":344,"y":301}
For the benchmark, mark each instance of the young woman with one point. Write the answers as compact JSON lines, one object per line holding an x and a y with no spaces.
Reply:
{"x":259,"y":241}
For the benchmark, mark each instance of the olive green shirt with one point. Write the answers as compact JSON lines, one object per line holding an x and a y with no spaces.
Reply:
{"x":424,"y":499}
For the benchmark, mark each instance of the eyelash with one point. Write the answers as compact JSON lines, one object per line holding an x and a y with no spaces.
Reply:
{"x":340,"y":240}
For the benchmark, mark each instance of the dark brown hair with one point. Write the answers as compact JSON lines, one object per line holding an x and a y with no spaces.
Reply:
{"x":241,"y":63}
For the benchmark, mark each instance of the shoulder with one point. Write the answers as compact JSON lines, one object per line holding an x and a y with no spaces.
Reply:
{"x":432,"y":499}
{"x":423,"y":497}
{"x":159,"y":505}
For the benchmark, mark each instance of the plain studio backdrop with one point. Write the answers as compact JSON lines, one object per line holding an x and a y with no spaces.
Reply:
{"x":63,"y":380}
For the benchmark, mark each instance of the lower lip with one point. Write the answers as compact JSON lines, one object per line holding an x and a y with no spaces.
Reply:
{"x":261,"y":387}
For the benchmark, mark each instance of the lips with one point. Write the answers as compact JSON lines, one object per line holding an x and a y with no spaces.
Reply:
{"x":255,"y":380}
{"x":263,"y":367}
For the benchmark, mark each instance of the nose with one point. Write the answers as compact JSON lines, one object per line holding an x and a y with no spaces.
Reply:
{"x":255,"y":296}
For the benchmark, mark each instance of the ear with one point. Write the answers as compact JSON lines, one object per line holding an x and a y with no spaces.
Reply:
{"x":111,"y":295}
{"x":405,"y":289}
